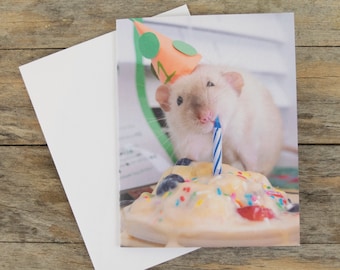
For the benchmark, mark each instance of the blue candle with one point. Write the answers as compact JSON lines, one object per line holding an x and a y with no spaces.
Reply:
{"x":217,"y":147}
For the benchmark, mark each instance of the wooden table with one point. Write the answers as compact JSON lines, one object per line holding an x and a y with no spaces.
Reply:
{"x":37,"y":227}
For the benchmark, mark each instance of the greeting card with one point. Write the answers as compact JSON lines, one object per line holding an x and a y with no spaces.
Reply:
{"x":208,"y":131}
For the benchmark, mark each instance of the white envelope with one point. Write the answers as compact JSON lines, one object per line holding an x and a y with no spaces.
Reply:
{"x":73,"y":94}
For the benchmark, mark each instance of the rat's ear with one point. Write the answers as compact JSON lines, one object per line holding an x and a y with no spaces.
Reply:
{"x":162,"y":97}
{"x":235,"y":79}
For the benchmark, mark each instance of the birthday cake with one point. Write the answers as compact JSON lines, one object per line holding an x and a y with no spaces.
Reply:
{"x":191,"y":207}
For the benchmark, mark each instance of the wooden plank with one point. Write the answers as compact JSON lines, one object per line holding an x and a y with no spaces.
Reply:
{"x":74,"y":256}
{"x":55,"y":24}
{"x":319,"y":175}
{"x":304,"y":257}
{"x":19,"y":124}
{"x":318,"y":110}
{"x":318,"y":83}
{"x":316,"y":62}
{"x":44,"y":256}
{"x":318,"y":96}
{"x":34,"y":208}
{"x":33,"y":205}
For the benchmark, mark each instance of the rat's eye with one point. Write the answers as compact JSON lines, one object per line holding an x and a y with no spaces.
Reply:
{"x":179,"y":100}
{"x":210,"y":84}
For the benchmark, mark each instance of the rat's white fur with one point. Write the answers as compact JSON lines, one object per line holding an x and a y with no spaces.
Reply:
{"x":251,"y":123}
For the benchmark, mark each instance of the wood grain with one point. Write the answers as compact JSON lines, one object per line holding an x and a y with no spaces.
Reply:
{"x":318,"y":84}
{"x":304,"y":257}
{"x":318,"y":95}
{"x":37,"y":227}
{"x":44,"y":256}
{"x":35,"y":215}
{"x":60,"y":24}
{"x":33,"y":205}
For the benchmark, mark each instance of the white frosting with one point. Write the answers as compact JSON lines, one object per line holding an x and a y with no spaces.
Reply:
{"x":203,"y":211}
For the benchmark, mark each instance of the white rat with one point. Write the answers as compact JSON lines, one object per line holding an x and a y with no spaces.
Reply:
{"x":251,"y":123}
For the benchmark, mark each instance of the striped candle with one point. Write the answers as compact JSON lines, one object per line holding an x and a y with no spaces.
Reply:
{"x":217,"y":147}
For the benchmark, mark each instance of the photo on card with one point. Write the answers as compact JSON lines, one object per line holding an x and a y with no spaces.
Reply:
{"x":208,"y":145}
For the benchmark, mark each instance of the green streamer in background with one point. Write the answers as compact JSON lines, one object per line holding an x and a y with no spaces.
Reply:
{"x":142,"y":97}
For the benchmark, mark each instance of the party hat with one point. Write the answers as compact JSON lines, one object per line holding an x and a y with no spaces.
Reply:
{"x":170,"y":58}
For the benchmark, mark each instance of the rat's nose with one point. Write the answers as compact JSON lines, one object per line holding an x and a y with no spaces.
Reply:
{"x":205,"y":117}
